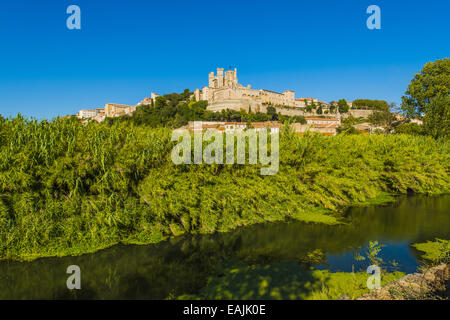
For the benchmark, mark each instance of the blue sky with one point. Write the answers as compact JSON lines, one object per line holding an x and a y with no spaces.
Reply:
{"x":127,"y":49}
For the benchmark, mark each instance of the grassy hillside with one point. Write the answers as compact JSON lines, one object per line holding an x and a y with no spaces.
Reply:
{"x":68,"y":188}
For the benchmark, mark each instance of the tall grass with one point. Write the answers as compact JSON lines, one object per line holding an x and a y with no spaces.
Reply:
{"x":69,"y":188}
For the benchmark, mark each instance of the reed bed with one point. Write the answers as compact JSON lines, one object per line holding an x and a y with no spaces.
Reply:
{"x":67,"y":188}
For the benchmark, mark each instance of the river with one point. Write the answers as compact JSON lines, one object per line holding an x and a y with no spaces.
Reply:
{"x":183,"y":264}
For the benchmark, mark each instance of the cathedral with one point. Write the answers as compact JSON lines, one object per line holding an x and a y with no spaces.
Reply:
{"x":224,"y":92}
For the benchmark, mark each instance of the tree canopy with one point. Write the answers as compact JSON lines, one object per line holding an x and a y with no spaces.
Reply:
{"x":370,"y":104}
{"x":343,"y":106}
{"x":428,"y":95}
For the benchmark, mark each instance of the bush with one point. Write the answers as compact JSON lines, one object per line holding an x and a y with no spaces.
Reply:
{"x":409,"y":128}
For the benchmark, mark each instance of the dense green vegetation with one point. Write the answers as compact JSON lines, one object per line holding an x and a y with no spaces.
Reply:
{"x":438,"y":250}
{"x":342,"y":106}
{"x":347,"y":127}
{"x":409,"y":128}
{"x":384,"y":118}
{"x":428,"y":95}
{"x":370,"y":104}
{"x":69,"y":188}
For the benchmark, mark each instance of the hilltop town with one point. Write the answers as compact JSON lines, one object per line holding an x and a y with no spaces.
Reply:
{"x":224,"y":92}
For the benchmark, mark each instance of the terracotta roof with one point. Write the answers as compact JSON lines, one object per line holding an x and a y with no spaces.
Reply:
{"x":325,"y":125}
{"x":266,"y":124}
{"x":323,"y":119}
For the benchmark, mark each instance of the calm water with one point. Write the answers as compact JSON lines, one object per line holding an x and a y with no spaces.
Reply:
{"x":181,"y":265}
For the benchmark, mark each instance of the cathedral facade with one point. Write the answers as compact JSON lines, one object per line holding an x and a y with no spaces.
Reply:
{"x":224,"y":92}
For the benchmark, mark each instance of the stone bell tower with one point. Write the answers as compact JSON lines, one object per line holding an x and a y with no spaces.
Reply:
{"x":212,"y":79}
{"x":220,"y":80}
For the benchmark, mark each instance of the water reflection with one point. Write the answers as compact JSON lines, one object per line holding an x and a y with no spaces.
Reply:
{"x":182,"y":265}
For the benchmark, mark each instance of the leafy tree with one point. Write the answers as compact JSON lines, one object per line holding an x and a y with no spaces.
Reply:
{"x":351,"y":120}
{"x":272,"y":112}
{"x":383,"y":118}
{"x":308,"y":107}
{"x":320,"y":109}
{"x":428,"y":95}
{"x":347,"y":129}
{"x":343,"y":106}
{"x":300,"y":119}
{"x":437,"y":120}
{"x":332,"y":106}
{"x":370,"y":104}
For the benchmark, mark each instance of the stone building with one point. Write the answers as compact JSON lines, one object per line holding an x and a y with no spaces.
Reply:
{"x":302,"y":102}
{"x":148,"y":100}
{"x":224,"y":92}
{"x":86,"y":113}
{"x":325,"y":126}
{"x":117,"y":110}
{"x":231,"y":126}
{"x":349,"y":103}
{"x":97,"y":114}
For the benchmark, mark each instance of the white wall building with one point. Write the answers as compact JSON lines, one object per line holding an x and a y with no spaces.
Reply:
{"x":86,"y":113}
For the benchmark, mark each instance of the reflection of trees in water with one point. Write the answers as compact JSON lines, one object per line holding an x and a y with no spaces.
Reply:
{"x":182,"y":265}
{"x":284,"y":280}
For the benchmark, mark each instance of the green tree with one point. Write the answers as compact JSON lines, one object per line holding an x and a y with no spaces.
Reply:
{"x":320,"y":109}
{"x":343,"y":106}
{"x":370,"y":104}
{"x":299,"y":119}
{"x":272,"y":113}
{"x":347,"y":129}
{"x":383,"y":117}
{"x":437,"y":120}
{"x":332,"y":106}
{"x":428,"y":94}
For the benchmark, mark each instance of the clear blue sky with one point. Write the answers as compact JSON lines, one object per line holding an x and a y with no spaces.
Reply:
{"x":126,"y":49}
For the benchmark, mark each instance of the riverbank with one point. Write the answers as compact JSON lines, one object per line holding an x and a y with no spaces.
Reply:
{"x":430,"y":284}
{"x":70,"y":189}
{"x":286,"y":280}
